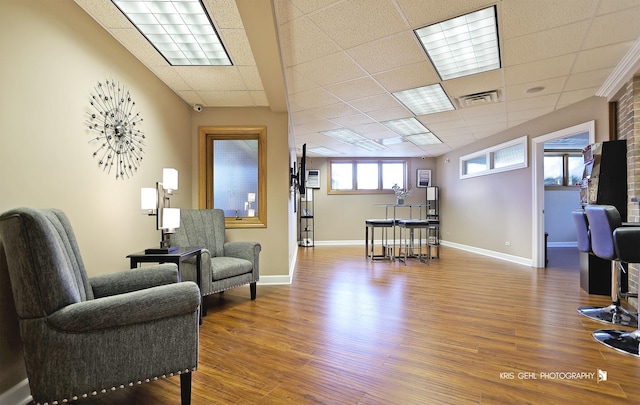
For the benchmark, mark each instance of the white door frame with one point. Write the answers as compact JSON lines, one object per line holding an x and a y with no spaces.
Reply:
{"x":537,"y":167}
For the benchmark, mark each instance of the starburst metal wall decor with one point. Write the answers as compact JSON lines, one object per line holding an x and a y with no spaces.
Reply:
{"x":120,"y":140}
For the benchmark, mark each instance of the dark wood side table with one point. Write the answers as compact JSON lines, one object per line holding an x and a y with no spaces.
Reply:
{"x":177,"y":257}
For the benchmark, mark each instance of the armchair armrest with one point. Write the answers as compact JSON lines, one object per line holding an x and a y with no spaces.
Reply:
{"x":126,"y":309}
{"x":134,"y":280}
{"x":243,"y":250}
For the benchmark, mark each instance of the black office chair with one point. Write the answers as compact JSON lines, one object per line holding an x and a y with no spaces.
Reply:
{"x":627,"y":245}
{"x":600,"y":221}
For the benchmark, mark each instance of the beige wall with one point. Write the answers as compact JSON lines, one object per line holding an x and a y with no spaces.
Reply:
{"x":275,"y":249}
{"x":487,"y":211}
{"x":53,"y":54}
{"x":340,"y":218}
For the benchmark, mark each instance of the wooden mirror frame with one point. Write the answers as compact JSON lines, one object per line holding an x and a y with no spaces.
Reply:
{"x":206,"y":136}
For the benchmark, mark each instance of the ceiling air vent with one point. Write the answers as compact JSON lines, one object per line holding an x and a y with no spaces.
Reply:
{"x":476,"y":99}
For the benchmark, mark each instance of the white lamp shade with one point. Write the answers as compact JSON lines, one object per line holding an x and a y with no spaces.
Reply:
{"x":148,"y":199}
{"x":171,"y":218}
{"x":169,"y":179}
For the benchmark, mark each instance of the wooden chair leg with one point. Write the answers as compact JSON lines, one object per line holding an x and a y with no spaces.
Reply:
{"x":185,"y":388}
{"x":252,"y":286}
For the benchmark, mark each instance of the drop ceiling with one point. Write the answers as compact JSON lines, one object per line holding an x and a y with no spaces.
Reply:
{"x":335,"y":64}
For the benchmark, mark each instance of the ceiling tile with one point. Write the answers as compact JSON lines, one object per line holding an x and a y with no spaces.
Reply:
{"x":251,"y":77}
{"x":313,"y":98}
{"x":526,"y":17}
{"x":224,"y":13}
{"x":539,"y":70}
{"x":571,"y":97}
{"x":486,"y":81}
{"x":211,"y":77}
{"x":585,"y":80}
{"x":373,"y":103}
{"x":310,"y":42}
{"x":419,"y":16}
{"x":600,"y":58}
{"x":228,"y":98}
{"x":106,"y":13}
{"x":544,"y":44}
{"x":358,"y":88}
{"x":551,"y":86}
{"x":388,"y":53}
{"x":237,"y":46}
{"x":549,"y":100}
{"x":330,"y":69}
{"x":407,"y":77}
{"x":528,"y":114}
{"x":387,"y":114}
{"x":343,"y":23}
{"x":626,"y":23}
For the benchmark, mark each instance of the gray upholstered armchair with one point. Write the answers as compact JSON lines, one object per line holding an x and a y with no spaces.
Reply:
{"x":84,"y":336}
{"x":224,"y":264}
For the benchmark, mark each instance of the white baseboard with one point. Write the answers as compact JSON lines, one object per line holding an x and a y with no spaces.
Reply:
{"x":19,"y":394}
{"x":489,"y":253}
{"x":275,"y":280}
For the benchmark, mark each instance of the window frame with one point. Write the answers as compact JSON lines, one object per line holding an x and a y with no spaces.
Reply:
{"x":565,"y":153}
{"x":354,"y":164}
{"x":206,"y":136}
{"x":489,"y":153}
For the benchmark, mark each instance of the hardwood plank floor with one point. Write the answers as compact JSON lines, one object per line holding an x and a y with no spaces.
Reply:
{"x":465,"y":329}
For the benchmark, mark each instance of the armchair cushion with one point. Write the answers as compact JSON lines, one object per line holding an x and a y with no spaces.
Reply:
{"x":224,"y":264}
{"x":225,"y":267}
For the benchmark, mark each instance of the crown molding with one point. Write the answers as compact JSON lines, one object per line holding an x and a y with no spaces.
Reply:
{"x":626,"y":69}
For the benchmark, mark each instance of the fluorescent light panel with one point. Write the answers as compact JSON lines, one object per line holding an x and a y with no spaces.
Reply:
{"x":322,"y":151}
{"x":180,"y":30}
{"x":463,"y":45}
{"x":406,"y":126}
{"x":349,"y":137}
{"x":425,"y":100}
{"x":423,"y":139}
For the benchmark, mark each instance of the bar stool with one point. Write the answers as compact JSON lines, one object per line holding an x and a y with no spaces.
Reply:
{"x":384,"y":225}
{"x":602,"y":221}
{"x":407,"y":231}
{"x":433,"y":238}
{"x":627,"y":246}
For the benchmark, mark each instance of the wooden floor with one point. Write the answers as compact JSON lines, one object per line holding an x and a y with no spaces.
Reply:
{"x":465,"y":329}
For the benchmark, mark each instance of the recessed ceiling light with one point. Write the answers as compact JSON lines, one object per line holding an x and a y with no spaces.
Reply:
{"x":349,"y":137}
{"x":370,"y":145}
{"x":391,"y":141}
{"x":180,"y":30}
{"x":423,"y":139}
{"x":463,"y":45}
{"x":322,"y":151}
{"x":406,"y":126}
{"x":536,"y":89}
{"x":425,"y":100}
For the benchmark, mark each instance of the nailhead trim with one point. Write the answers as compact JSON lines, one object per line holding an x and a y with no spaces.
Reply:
{"x":121,"y":386}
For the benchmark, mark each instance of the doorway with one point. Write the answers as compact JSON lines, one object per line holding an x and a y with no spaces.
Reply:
{"x":538,"y":237}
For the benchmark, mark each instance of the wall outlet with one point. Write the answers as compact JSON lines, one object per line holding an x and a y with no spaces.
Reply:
{"x":507,"y":243}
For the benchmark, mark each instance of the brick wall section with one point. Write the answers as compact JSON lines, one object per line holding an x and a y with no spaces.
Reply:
{"x":629,"y":129}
